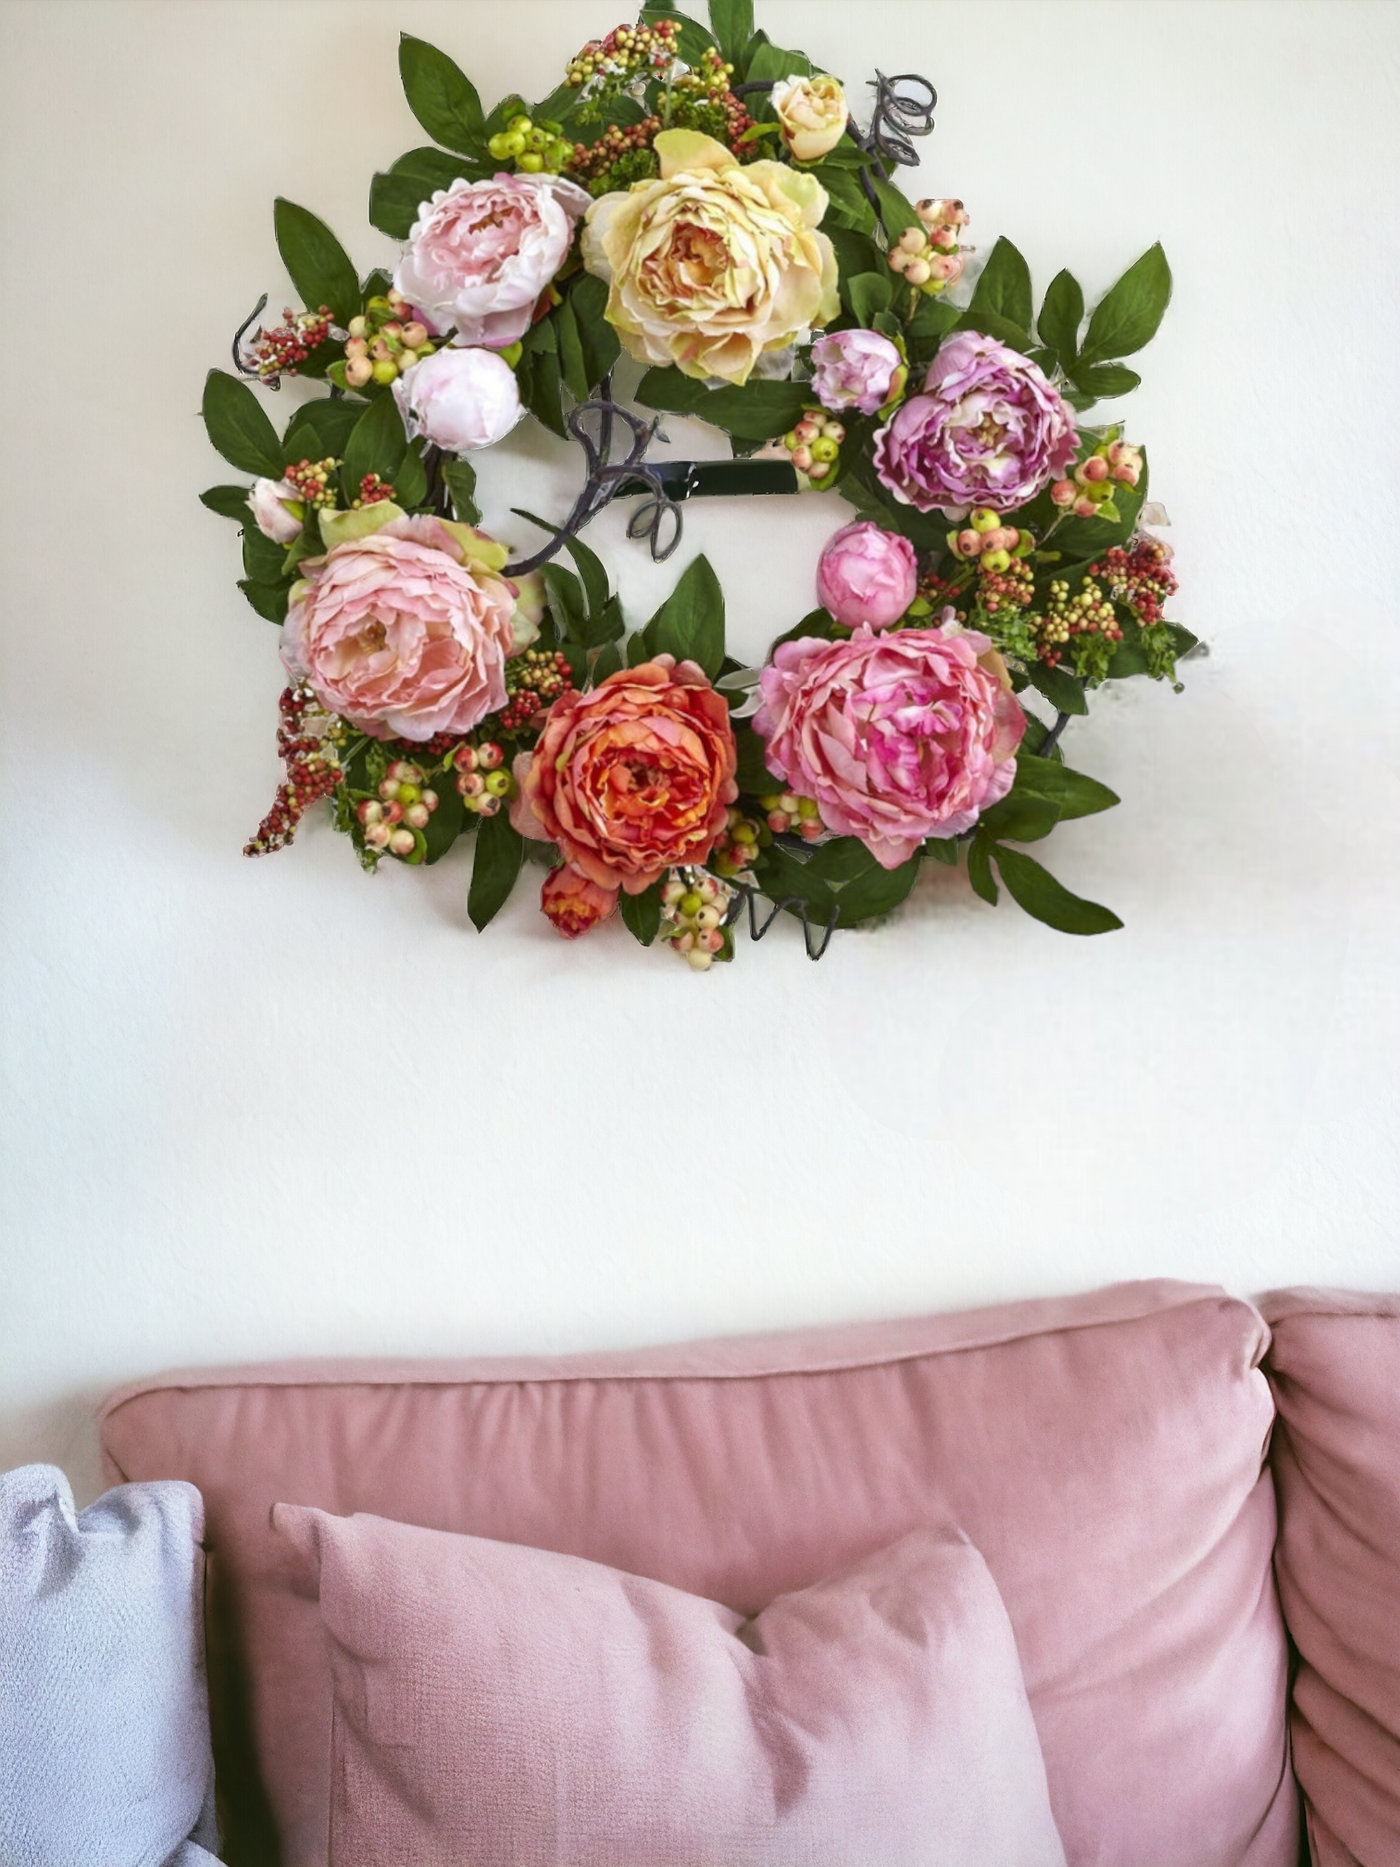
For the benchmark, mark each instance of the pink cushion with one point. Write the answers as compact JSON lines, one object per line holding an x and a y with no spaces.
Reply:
{"x":1103,"y":1452}
{"x":496,"y":1706}
{"x":1335,"y":1368}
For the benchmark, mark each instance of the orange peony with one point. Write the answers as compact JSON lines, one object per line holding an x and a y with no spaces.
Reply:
{"x":573,"y":902}
{"x":634,"y":776}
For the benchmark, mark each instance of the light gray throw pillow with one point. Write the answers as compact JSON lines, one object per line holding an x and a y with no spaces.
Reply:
{"x":104,"y":1715}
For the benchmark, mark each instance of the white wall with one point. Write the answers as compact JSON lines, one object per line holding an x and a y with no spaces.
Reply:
{"x":277,"y":1108}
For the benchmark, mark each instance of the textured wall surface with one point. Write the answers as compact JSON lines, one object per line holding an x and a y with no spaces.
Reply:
{"x":272,"y":1108}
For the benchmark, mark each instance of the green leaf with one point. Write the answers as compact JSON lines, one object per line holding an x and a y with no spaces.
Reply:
{"x":447,"y":821}
{"x":756,"y":412}
{"x":979,"y":870}
{"x":732,"y":23}
{"x":943,"y":849}
{"x":1102,"y":380}
{"x":595,"y":579}
{"x":693,"y":40}
{"x":262,"y":558}
{"x":642,"y":913}
{"x":599,"y":341}
{"x":992,"y":324}
{"x":934,"y":319}
{"x":1060,"y":688}
{"x":319,"y":265}
{"x":564,"y":595}
{"x":871,"y":292}
{"x":896,"y":211}
{"x":753,"y":776}
{"x":320,"y":430}
{"x":499,"y":852}
{"x":876,"y":890}
{"x":1061,"y":316}
{"x":397,"y":195}
{"x":442,"y":97}
{"x":856,"y":254}
{"x":571,"y":363}
{"x":609,"y":661}
{"x":1036,"y":890}
{"x":1072,"y":792}
{"x":1004,"y":288}
{"x":1128,"y":314}
{"x":268,"y":599}
{"x":768,"y":63}
{"x":537,"y":377}
{"x":690,"y":623}
{"x":411,"y":479}
{"x":238,"y":426}
{"x":637,"y":650}
{"x":847,"y":205}
{"x":459,"y":477}
{"x":1020,"y":818}
{"x":230,"y":502}
{"x":377,"y":444}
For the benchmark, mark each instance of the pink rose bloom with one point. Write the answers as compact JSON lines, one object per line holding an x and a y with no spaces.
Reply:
{"x":897,"y":737}
{"x":867,"y":575}
{"x":856,"y":369}
{"x":988,"y":430}
{"x":480,"y":253}
{"x":405,"y":632}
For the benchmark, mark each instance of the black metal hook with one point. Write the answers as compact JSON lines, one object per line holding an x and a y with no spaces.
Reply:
{"x":746,"y":894}
{"x":268,"y":382}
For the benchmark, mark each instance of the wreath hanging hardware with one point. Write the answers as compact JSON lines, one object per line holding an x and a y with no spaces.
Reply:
{"x":703,"y":200}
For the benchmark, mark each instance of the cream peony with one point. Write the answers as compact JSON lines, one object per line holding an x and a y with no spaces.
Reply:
{"x":715,"y":263}
{"x":811,"y":115}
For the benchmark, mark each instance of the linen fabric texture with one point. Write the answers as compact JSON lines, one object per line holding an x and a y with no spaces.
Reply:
{"x":1103,"y":1452}
{"x":504,"y":1707}
{"x":1335,"y":1368}
{"x":104,"y":1720}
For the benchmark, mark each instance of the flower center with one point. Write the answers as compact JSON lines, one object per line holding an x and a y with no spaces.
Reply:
{"x":373,"y":637}
{"x":989,"y":431}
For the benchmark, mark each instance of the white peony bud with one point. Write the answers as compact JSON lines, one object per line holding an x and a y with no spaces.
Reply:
{"x":278,"y":510}
{"x":459,"y":399}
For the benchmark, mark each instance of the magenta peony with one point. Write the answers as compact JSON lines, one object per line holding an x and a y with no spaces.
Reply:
{"x":867,"y":575}
{"x":405,"y":631}
{"x":898,"y":737}
{"x":857,"y":370}
{"x":480,"y":253}
{"x":987,"y":430}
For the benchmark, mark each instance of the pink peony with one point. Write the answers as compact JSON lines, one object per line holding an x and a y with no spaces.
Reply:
{"x":480,"y":253}
{"x":856,"y":369}
{"x":867,"y":575}
{"x":405,"y":631}
{"x":987,"y":430}
{"x":898,"y":737}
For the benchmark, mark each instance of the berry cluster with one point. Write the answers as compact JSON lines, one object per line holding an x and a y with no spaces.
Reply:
{"x":482,"y":779}
{"x":397,"y":818}
{"x":940,"y":594}
{"x":692,"y":919}
{"x":534,"y":681}
{"x":789,"y":814}
{"x":314,"y":481}
{"x":927,"y":256}
{"x":281,"y":351}
{"x":738,"y":843}
{"x":610,"y":67}
{"x":1012,"y":588}
{"x":372,"y":491}
{"x":815,"y":446}
{"x":987,"y":541}
{"x":1141,"y":577}
{"x":1068,"y":619}
{"x":697,"y":100}
{"x":313,"y":772}
{"x":1090,"y":493}
{"x":534,"y":148}
{"x":384,"y":341}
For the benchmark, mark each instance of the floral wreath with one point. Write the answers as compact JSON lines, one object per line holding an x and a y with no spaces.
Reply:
{"x":704,"y":201}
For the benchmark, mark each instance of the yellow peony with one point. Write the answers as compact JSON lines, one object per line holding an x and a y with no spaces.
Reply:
{"x":715,"y":262}
{"x":811,"y":115}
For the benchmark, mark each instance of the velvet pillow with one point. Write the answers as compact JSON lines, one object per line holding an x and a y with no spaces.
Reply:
{"x":500,"y":1706}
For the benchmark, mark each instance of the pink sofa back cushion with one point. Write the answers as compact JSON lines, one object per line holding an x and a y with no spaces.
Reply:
{"x":1103,"y":1452}
{"x":1335,"y":1369}
{"x":496,"y":1706}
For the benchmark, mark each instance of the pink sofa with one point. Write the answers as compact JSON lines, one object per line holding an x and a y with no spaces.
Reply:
{"x":1107,"y":1454}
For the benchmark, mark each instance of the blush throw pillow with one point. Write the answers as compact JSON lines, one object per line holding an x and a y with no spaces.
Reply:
{"x":501,"y":1706}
